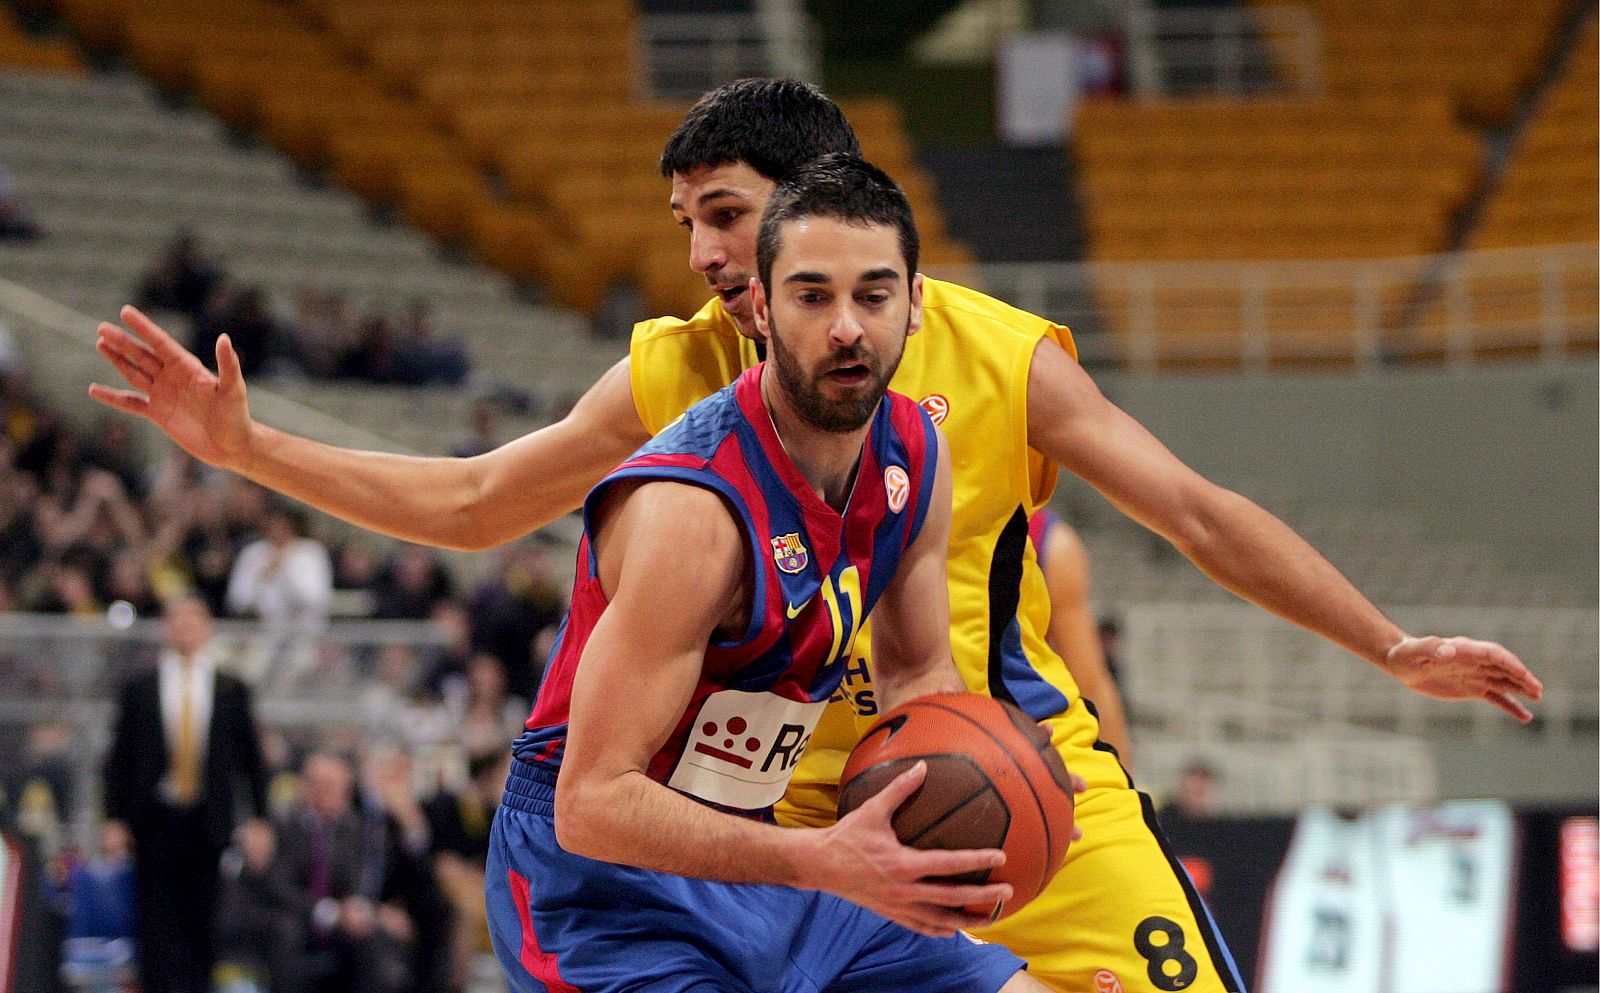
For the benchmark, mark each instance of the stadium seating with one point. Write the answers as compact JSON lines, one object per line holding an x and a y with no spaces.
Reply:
{"x":442,"y":109}
{"x":23,"y":53}
{"x":1480,"y":55}
{"x":110,"y":173}
{"x":1546,"y":196}
{"x":1381,"y":164}
{"x":1203,"y":179}
{"x":1548,"y":193}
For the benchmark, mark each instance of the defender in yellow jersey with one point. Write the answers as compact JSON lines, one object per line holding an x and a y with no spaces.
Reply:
{"x":1121,"y":915}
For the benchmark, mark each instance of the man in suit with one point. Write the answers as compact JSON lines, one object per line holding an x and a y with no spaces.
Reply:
{"x":352,"y":888}
{"x":185,"y":762}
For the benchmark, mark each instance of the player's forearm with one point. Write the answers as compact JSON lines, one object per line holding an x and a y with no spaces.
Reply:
{"x":1259,"y":558}
{"x":633,"y":820}
{"x":424,"y":500}
{"x":897,"y":685}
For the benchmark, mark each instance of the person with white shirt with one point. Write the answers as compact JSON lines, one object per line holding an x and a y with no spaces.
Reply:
{"x":283,"y":578}
{"x":185,"y":760}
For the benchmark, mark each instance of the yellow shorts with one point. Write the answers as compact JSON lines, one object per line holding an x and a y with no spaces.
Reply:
{"x":1120,"y":917}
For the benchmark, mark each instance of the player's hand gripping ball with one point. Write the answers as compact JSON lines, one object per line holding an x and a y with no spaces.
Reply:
{"x":994,"y":781}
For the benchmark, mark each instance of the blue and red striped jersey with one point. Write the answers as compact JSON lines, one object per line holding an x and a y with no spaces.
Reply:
{"x":1039,"y":526}
{"x":817,"y":573}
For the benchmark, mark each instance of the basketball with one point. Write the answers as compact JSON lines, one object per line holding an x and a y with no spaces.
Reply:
{"x":994,"y":781}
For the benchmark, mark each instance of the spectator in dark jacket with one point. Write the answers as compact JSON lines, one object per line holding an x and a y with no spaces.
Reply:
{"x":185,"y":756}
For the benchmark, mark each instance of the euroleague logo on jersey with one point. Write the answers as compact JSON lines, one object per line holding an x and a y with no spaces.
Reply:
{"x":897,"y":485}
{"x":1106,"y":981}
{"x":936,"y":405}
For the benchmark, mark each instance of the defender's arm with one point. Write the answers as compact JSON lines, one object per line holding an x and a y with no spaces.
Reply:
{"x":1244,"y":548}
{"x":468,"y":504}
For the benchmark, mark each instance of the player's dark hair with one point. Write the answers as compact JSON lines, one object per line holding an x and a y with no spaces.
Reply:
{"x":772,"y":125}
{"x":845,"y":187}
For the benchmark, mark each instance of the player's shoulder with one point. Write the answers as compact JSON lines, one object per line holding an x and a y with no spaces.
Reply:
{"x":963,"y":309}
{"x":711,"y":320}
{"x":677,"y":516}
{"x":699,"y":430}
{"x":906,"y":413}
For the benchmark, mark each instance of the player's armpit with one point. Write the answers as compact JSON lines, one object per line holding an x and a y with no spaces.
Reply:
{"x":1235,"y":542}
{"x":911,"y":622}
{"x":527,"y":483}
{"x":1071,"y":422}
{"x":1074,"y":634}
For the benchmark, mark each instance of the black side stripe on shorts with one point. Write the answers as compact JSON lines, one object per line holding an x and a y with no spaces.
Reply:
{"x":1101,"y":745}
{"x":1005,"y":592}
{"x":1220,"y":958}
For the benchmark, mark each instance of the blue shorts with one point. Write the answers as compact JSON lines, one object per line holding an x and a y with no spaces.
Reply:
{"x":562,"y":923}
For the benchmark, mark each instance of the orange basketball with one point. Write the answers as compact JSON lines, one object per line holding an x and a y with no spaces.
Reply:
{"x":994,"y":781}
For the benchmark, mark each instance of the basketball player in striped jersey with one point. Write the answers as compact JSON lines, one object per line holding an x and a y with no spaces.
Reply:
{"x":1014,"y":405}
{"x":723,"y":574}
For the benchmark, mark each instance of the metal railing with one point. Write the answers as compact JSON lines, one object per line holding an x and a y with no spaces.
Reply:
{"x":1455,"y":308}
{"x":1288,"y":719}
{"x":59,"y":678}
{"x":1320,"y":765}
{"x":688,"y":54}
{"x":1232,"y":51}
{"x":1262,"y":668}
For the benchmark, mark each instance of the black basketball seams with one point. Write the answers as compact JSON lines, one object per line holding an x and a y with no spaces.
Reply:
{"x":1047,"y":751}
{"x":1049,"y":842}
{"x":987,"y":788}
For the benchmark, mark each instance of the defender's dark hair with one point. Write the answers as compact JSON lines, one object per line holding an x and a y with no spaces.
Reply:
{"x":845,"y":187}
{"x":772,"y":125}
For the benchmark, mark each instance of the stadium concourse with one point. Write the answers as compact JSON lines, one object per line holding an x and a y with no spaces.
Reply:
{"x":1346,"y":267}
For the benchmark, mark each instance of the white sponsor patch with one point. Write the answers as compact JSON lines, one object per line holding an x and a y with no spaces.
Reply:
{"x":743,"y":747}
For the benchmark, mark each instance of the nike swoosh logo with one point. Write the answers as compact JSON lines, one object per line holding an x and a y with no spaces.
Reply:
{"x":792,"y":611}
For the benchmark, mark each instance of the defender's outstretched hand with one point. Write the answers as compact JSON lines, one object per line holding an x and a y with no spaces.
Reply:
{"x":206,"y":414}
{"x":1464,"y":669}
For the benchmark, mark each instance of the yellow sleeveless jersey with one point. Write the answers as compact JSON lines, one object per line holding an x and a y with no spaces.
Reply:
{"x":968,"y":367}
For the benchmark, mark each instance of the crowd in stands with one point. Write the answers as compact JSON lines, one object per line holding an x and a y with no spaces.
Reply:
{"x":325,"y":337}
{"x":91,"y":526}
{"x":87,"y":521}
{"x":357,"y":881}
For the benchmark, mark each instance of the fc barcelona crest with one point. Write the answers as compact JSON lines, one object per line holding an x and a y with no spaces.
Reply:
{"x":790,"y":553}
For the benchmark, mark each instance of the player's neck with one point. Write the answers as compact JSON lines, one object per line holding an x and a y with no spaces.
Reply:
{"x":826,"y":459}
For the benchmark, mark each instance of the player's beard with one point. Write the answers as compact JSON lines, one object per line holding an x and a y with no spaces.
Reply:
{"x":804,"y":389}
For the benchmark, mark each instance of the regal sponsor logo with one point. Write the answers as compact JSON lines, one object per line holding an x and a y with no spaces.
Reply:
{"x":743,"y":746}
{"x":789,"y":552}
{"x":897,"y":485}
{"x":936,"y":405}
{"x":1106,"y":981}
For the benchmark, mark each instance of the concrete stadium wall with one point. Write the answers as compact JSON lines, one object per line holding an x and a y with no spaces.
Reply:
{"x":1505,"y":456}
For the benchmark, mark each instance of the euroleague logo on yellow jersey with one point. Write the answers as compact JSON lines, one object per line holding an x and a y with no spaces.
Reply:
{"x":937,"y":406}
{"x":1106,"y":981}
